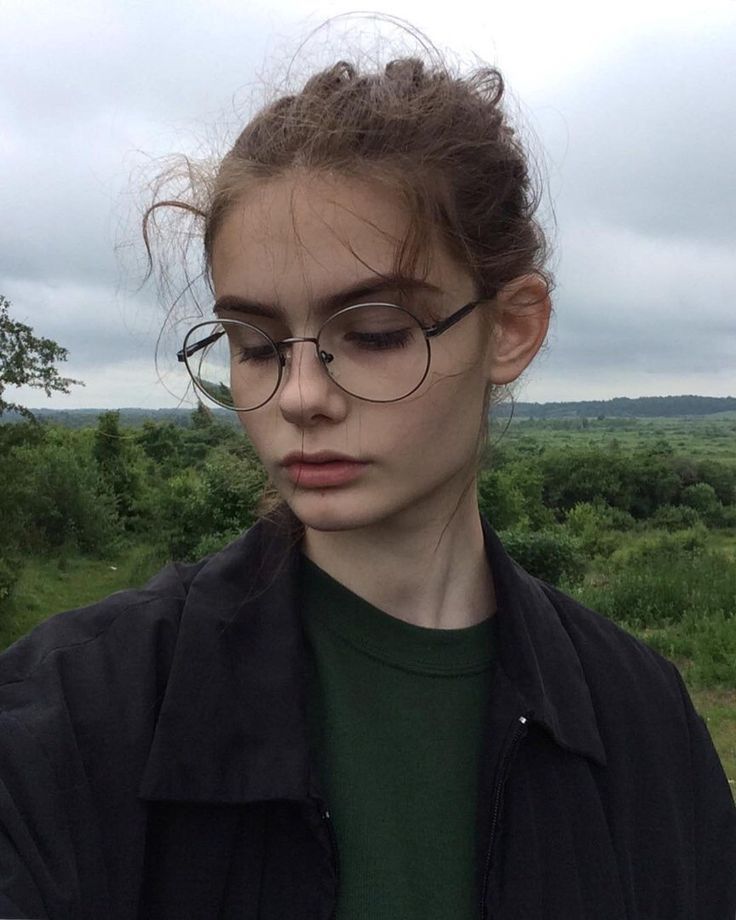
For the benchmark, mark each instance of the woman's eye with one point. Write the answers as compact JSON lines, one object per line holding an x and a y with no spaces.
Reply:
{"x":256,"y":355}
{"x":381,"y":340}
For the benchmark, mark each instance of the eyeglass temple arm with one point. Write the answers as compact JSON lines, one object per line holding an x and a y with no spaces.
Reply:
{"x":185,"y":353}
{"x":431,"y":331}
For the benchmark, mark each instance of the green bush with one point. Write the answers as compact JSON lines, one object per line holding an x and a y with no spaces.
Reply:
{"x":674,"y":517}
{"x":662,"y":580}
{"x":10,"y":568}
{"x":657,"y":545}
{"x":703,"y":646}
{"x":726,"y":517}
{"x":551,"y":555}
{"x":596,"y":527}
{"x":702,"y":497}
{"x":499,"y":500}
{"x":575,"y":476}
{"x":213,"y":543}
{"x":511,"y":497}
{"x":57,"y":499}
{"x":721,"y":477}
{"x":198,"y":511}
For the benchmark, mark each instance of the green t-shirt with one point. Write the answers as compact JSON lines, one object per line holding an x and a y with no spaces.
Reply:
{"x":396,"y":719}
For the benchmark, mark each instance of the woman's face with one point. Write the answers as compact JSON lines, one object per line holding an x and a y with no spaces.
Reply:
{"x":298,"y":240}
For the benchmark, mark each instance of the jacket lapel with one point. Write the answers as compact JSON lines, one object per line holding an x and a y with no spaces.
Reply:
{"x":232,"y":725}
{"x":538,"y":656}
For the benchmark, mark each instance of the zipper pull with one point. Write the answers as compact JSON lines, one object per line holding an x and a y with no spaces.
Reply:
{"x":507,"y":757}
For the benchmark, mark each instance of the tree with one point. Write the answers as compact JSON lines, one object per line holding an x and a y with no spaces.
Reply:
{"x":26,"y":360}
{"x":202,"y":416}
{"x":111,"y":450}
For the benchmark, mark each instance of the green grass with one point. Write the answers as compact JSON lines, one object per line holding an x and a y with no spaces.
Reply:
{"x":49,"y":586}
{"x":718,"y":708}
{"x":708,"y":437}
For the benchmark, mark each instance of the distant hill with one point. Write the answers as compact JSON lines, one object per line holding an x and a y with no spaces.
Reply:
{"x":620,"y":407}
{"x":623,"y":407}
{"x":129,"y":417}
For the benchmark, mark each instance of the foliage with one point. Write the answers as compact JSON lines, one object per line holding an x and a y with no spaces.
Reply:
{"x":625,"y":408}
{"x":596,"y":527}
{"x":58,"y":499}
{"x":706,"y":646}
{"x":113,"y":452}
{"x":26,"y":360}
{"x":702,"y":497}
{"x":200,"y":510}
{"x":662,"y":579}
{"x":550,"y":555}
{"x":674,"y":517}
{"x":510,"y":495}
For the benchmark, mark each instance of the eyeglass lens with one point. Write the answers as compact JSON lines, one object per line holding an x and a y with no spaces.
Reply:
{"x":375,"y":351}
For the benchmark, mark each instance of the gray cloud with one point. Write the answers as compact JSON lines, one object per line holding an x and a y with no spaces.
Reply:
{"x":640,"y":150}
{"x":651,"y":136}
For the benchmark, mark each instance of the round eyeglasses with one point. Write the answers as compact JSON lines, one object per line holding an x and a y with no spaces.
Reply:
{"x":378,"y":352}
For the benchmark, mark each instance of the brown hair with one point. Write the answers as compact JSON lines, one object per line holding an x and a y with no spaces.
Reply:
{"x":440,"y":140}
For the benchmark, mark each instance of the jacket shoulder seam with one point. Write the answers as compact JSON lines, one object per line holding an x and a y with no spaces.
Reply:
{"x":82,"y":642}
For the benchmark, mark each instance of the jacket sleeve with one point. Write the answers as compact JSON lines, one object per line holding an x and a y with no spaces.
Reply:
{"x":13,"y":874}
{"x":714,"y":821}
{"x":37,"y":872}
{"x":32,"y":826}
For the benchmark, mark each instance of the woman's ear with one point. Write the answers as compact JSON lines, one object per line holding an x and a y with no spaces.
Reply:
{"x":521,"y":314}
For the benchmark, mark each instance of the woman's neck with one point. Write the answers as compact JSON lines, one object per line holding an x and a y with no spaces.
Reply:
{"x":402,"y":571}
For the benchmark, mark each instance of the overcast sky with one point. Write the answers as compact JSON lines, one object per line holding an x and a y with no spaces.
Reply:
{"x":630,"y":106}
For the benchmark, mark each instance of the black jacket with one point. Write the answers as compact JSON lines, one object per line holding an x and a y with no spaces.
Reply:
{"x":154,"y":761}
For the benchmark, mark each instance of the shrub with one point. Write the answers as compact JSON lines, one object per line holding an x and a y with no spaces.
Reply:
{"x":674,"y":517}
{"x":575,"y":476}
{"x":664,"y":580}
{"x":201,"y":510}
{"x":721,"y":477}
{"x":590,"y":524}
{"x":213,"y":543}
{"x":10,"y":567}
{"x":59,"y":500}
{"x":702,"y":497}
{"x":511,"y":497}
{"x":500,"y":501}
{"x":658,"y":545}
{"x":705,"y":647}
{"x":551,"y":555}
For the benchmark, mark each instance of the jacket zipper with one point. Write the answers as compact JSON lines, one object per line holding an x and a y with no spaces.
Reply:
{"x":497,"y":800}
{"x":325,"y":815}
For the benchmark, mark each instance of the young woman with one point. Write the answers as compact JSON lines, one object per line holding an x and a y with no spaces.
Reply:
{"x":361,"y":708}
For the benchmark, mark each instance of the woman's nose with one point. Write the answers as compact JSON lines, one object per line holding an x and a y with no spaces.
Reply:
{"x":306,"y":387}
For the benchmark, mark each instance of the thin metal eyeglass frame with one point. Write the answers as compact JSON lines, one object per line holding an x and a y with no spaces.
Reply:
{"x":430,"y":332}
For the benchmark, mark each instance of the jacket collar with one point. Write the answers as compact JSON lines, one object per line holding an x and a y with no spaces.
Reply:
{"x":232,"y":725}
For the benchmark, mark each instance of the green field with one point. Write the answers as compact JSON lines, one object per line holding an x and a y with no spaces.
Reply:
{"x":707,"y":437}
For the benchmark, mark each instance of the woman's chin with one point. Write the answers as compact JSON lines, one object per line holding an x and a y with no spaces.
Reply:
{"x":326,"y":510}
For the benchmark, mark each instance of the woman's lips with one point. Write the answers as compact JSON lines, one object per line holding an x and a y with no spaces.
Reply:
{"x":319,"y":475}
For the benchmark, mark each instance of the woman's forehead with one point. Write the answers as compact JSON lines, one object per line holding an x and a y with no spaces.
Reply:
{"x":316,"y":229}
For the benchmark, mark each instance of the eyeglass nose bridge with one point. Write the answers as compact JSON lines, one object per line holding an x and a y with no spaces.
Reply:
{"x":324,"y":356}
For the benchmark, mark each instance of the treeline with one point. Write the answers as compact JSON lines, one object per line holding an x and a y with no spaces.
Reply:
{"x":623,"y":407}
{"x":128,"y":418}
{"x":644,"y":407}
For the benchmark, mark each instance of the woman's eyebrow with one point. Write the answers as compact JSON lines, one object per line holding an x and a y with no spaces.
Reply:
{"x":328,"y":304}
